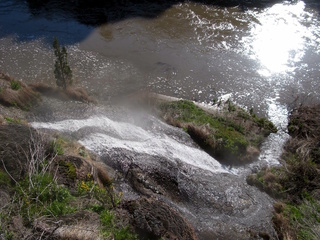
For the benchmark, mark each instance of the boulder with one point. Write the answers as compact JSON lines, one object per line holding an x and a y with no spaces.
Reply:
{"x":154,"y":219}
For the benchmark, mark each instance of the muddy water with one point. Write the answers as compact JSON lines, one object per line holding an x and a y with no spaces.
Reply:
{"x":262,"y":56}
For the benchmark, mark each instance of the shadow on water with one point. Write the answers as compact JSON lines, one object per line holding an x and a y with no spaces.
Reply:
{"x":73,"y":21}
{"x":97,"y":12}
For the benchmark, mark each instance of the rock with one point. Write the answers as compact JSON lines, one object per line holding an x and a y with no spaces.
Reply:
{"x":71,"y":169}
{"x":219,"y":205}
{"x":154,"y":219}
{"x":82,"y":225}
{"x":14,"y":148}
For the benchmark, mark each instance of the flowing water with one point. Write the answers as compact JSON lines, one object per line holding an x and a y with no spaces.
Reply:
{"x":262,"y":57}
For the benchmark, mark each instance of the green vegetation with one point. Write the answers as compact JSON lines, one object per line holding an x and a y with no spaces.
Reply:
{"x":82,"y":152}
{"x":42,"y":195}
{"x":109,"y":228}
{"x":108,"y":200}
{"x":297,"y":182}
{"x":15,"y":85}
{"x":105,"y":196}
{"x":62,"y":71}
{"x":56,"y":147}
{"x":13,"y":120}
{"x":222,"y":135}
{"x":4,"y":178}
{"x":69,"y":168}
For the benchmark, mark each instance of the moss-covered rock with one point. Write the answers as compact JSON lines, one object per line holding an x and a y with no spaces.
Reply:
{"x":231,"y":135}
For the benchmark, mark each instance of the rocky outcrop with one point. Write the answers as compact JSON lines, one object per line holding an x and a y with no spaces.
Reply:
{"x":217,"y":205}
{"x":154,"y":219}
{"x":14,"y":148}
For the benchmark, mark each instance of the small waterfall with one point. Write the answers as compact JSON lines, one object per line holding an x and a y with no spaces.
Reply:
{"x":104,"y":135}
{"x":210,"y":196}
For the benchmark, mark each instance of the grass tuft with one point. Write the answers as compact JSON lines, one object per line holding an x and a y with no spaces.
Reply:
{"x":15,"y":85}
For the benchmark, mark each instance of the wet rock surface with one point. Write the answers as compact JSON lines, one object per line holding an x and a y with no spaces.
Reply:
{"x":160,"y":162}
{"x":219,"y":205}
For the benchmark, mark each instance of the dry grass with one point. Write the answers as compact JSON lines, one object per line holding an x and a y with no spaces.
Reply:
{"x":22,"y":96}
{"x":77,"y":94}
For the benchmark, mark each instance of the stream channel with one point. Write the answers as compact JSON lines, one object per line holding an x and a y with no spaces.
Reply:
{"x":264,"y":56}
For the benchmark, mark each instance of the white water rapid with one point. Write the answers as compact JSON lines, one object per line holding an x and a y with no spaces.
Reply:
{"x":107,"y":135}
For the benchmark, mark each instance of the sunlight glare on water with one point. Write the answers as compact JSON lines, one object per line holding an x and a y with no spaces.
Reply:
{"x":279,"y":37}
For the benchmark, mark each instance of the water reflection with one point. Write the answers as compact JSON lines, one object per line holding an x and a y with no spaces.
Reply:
{"x":278,"y":39}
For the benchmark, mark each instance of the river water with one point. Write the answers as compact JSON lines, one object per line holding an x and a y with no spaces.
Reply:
{"x":262,"y":57}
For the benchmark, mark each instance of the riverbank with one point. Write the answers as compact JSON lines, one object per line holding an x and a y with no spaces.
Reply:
{"x":53,"y":187}
{"x":296,"y":182}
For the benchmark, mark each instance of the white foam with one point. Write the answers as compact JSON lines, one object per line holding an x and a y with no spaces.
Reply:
{"x":109,"y":135}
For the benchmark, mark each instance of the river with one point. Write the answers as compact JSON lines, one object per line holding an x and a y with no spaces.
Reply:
{"x":263,"y":57}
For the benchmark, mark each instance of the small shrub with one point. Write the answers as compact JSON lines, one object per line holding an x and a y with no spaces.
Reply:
{"x":40,"y":195}
{"x":266,"y":124}
{"x":109,"y":227}
{"x":56,"y":147}
{"x":106,"y":218}
{"x":106,"y":196}
{"x":124,"y":234}
{"x":15,"y":85}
